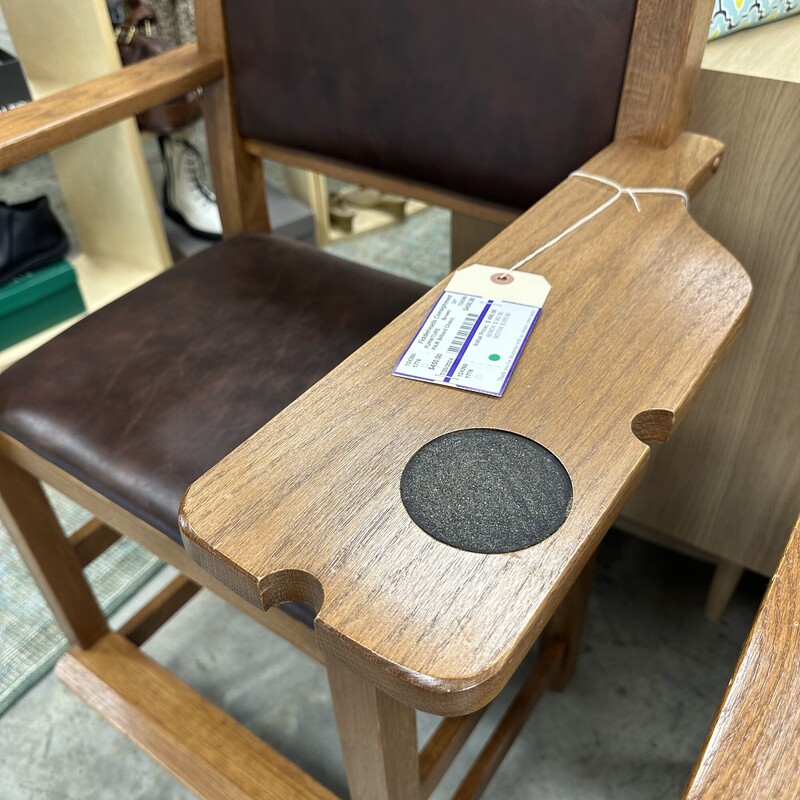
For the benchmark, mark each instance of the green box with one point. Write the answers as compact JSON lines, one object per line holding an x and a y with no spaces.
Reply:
{"x":37,"y":300}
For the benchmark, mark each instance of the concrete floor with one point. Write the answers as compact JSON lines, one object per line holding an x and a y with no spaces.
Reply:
{"x":629,"y":727}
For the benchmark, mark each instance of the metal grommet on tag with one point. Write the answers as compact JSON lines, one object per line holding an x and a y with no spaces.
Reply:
{"x":502,"y":277}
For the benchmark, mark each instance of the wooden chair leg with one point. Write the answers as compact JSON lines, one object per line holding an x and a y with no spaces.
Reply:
{"x":49,"y":556}
{"x":567,"y":625}
{"x":726,"y":578}
{"x":378,"y":736}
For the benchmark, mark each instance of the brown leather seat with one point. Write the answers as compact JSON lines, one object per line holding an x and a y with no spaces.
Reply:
{"x":142,"y":397}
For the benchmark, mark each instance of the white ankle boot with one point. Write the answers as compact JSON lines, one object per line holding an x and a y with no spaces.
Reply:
{"x":187,"y":198}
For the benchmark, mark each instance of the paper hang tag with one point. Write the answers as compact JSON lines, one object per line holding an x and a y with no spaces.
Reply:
{"x":500,"y":284}
{"x":473,"y":337}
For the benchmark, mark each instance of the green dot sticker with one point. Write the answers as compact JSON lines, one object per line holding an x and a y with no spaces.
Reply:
{"x":494,"y":357}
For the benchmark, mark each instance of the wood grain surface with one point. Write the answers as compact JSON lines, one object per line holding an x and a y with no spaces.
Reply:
{"x":201,"y":745}
{"x":49,"y":556}
{"x":752,"y":749}
{"x":378,"y":736}
{"x":238,"y":175}
{"x":729,"y":481}
{"x":516,"y":715}
{"x":354,"y":173}
{"x":160,"y":609}
{"x":64,"y":116}
{"x":441,"y":749}
{"x":63,"y":585}
{"x":663,"y":68}
{"x":309,"y":507}
{"x":92,"y":539}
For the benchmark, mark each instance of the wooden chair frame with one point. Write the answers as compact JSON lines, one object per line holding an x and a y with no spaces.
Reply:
{"x":752,"y":747}
{"x":152,"y":707}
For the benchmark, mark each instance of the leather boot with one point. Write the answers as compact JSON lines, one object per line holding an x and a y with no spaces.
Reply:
{"x":187,"y":198}
{"x":30,"y":237}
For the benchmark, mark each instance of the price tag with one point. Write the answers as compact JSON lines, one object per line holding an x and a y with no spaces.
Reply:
{"x":474,"y":335}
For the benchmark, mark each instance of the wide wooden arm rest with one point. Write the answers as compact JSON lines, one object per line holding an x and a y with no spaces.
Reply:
{"x":753,"y":748}
{"x":64,"y":116}
{"x":309,"y":508}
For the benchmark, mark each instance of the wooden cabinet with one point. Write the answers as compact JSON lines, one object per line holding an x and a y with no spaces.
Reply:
{"x":728,"y":484}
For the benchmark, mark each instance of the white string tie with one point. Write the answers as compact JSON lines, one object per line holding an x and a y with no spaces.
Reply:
{"x":620,"y":191}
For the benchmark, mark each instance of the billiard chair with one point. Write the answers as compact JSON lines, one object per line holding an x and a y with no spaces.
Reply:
{"x":265,"y":367}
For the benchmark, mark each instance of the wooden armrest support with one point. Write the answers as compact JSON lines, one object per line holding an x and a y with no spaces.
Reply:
{"x":343,"y":171}
{"x":62,"y":117}
{"x":309,"y":507}
{"x":752,"y":747}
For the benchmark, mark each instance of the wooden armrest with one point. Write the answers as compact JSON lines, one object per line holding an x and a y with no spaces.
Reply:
{"x":64,"y":116}
{"x":309,"y":507}
{"x":752,"y":748}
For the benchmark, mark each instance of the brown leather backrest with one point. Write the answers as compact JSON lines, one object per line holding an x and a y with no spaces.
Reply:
{"x":495,"y":100}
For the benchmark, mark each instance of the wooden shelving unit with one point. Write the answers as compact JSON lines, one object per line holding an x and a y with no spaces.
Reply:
{"x":104,"y":177}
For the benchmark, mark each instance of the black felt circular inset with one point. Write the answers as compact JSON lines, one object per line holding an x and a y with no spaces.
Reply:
{"x":486,"y":490}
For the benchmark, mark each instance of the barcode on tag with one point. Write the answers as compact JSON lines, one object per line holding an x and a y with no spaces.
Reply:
{"x":462,"y":334}
{"x":469,"y":342}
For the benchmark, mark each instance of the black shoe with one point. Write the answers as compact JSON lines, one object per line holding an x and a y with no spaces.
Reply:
{"x":30,"y":237}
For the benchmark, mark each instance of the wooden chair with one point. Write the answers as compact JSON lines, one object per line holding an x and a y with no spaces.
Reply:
{"x":481,"y":109}
{"x":752,"y":748}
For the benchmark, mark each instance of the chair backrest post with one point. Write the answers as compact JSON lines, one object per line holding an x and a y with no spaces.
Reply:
{"x":238,"y":176}
{"x":663,"y":69}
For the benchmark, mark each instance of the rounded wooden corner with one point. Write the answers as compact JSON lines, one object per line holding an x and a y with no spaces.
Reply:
{"x":446,"y":696}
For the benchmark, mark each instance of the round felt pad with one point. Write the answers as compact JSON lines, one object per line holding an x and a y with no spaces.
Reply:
{"x":486,"y":490}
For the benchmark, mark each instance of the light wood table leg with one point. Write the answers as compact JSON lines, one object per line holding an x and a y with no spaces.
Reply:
{"x":726,"y":578}
{"x":468,"y":235}
{"x":378,"y":736}
{"x":567,"y":625}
